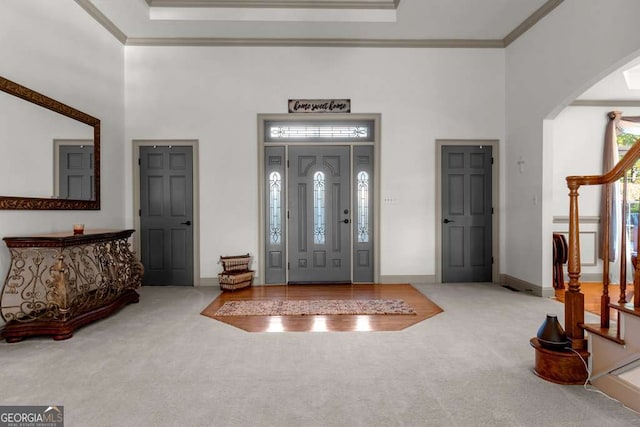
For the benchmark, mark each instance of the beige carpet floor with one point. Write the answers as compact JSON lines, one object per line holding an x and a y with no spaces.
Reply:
{"x":161,"y":363}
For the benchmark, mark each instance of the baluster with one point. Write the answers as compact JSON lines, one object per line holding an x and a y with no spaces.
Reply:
{"x":606,"y":229}
{"x":623,"y":244}
{"x":636,"y":272}
{"x":574,"y":299}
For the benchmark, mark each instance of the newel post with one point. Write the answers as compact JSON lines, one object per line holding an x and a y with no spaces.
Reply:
{"x":574,"y":299}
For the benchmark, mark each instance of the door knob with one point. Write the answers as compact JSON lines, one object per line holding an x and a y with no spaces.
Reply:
{"x":346,"y":221}
{"x":447,"y":221}
{"x":186,"y":223}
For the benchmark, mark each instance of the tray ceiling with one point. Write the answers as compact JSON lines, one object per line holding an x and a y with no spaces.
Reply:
{"x":393,"y":23}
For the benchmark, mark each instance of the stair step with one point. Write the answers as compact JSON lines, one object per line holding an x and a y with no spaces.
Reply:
{"x":630,"y":373}
{"x":610,"y":334}
{"x":619,"y":389}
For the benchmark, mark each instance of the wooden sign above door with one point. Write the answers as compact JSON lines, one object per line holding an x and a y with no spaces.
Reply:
{"x":319,"y":105}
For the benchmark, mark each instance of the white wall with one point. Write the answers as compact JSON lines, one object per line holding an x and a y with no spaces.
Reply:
{"x":578,"y":140}
{"x":214,"y":94}
{"x":559,"y":58}
{"x":56,"y":48}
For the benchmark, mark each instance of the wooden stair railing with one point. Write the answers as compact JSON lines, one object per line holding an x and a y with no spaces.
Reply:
{"x":574,"y":299}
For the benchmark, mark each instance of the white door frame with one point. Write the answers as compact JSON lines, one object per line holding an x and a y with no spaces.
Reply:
{"x":262,"y":118}
{"x":193,"y":143}
{"x":495,"y":198}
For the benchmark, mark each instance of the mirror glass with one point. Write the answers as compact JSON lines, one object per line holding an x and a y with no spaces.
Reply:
{"x":50,"y":152}
{"x":73,"y":169}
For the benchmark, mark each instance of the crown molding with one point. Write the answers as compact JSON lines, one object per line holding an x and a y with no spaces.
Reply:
{"x":294,"y":4}
{"x":95,"y":13}
{"x":605,"y":103}
{"x":276,"y":42}
{"x":532,"y":20}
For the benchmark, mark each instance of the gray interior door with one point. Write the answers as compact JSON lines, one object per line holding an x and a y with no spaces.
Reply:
{"x":76,"y":172}
{"x":319,"y":214}
{"x":166,"y":215}
{"x":466,"y":214}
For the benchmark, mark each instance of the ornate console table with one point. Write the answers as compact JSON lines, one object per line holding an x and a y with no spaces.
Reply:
{"x":59,"y":282}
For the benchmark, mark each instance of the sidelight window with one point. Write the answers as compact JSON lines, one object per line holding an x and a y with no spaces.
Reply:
{"x":363,"y":207}
{"x":275,"y":207}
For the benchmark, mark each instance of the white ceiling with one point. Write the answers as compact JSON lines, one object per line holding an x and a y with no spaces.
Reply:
{"x":617,"y":87}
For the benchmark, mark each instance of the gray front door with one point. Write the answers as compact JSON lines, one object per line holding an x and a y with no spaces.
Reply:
{"x":466,"y":214}
{"x":166,"y":213}
{"x":319,"y":214}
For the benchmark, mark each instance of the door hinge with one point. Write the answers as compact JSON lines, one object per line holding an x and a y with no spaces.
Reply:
{"x":139,"y":162}
{"x":287,"y":214}
{"x":491,"y":210}
{"x":288,"y":266}
{"x":492,"y":160}
{"x":287,"y":163}
{"x":139,"y":212}
{"x":491,"y":260}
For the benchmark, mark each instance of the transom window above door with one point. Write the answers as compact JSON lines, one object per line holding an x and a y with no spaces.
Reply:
{"x":314,"y":131}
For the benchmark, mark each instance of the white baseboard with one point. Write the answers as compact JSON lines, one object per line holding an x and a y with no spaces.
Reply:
{"x":511,"y":281}
{"x":209,"y":281}
{"x":213,"y":281}
{"x":408,"y":279}
{"x":524,"y":286}
{"x":588,"y":277}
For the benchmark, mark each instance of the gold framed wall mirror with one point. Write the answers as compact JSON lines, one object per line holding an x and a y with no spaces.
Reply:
{"x":31,"y":124}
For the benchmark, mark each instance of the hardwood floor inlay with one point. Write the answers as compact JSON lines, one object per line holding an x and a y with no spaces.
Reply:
{"x":592,"y":292}
{"x":422,"y":305}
